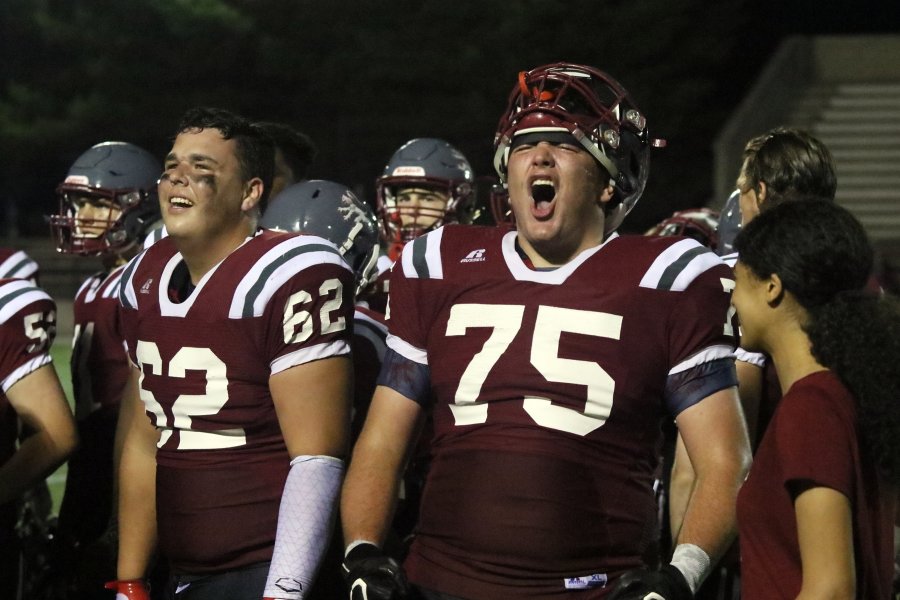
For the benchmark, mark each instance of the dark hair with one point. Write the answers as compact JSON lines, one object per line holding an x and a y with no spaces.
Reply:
{"x":793,"y":164}
{"x":824,"y":259}
{"x":297,"y":148}
{"x":255,"y":149}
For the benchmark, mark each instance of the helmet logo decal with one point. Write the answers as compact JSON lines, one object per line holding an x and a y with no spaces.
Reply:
{"x":409,"y":171}
{"x":78,"y":179}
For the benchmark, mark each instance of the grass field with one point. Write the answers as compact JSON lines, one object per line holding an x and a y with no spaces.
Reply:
{"x":61,"y":351}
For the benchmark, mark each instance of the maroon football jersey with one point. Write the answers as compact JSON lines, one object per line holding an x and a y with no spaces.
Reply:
{"x":27,"y":330}
{"x":99,"y":363}
{"x":17,"y":264}
{"x":550,"y":391}
{"x":100,"y":369}
{"x":277,"y":301}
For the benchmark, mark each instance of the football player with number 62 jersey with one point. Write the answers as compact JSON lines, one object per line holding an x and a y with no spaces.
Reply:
{"x":235,"y":429}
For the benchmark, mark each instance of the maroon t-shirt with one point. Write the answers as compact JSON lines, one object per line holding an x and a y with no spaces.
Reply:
{"x":277,"y":301}
{"x":813,"y":437}
{"x":549,"y":388}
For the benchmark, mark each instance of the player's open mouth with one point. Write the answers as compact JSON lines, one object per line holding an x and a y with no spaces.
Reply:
{"x":180,"y":202}
{"x":542,"y":192}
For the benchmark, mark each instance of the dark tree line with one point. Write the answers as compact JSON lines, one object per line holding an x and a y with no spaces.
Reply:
{"x":359,"y":77}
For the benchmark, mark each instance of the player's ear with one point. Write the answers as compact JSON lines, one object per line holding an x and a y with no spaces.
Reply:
{"x":774,"y":289}
{"x":253,"y":191}
{"x":606,"y":195}
{"x":761,"y":193}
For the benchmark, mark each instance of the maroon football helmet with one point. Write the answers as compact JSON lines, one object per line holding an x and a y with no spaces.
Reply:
{"x":595,"y":109}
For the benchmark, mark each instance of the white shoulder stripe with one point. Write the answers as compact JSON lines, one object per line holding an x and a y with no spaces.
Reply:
{"x":679,"y":265}
{"x":276,"y":267}
{"x":421,"y":258}
{"x":16,"y":295}
{"x":730,"y":259}
{"x":407,"y":350}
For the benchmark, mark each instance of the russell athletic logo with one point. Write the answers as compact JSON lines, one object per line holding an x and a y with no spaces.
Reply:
{"x":474,"y":256}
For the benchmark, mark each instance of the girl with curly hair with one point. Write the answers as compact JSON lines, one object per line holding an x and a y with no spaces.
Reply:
{"x":816,"y":513}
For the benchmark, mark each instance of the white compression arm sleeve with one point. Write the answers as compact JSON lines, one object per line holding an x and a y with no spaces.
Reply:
{"x":305,"y":519}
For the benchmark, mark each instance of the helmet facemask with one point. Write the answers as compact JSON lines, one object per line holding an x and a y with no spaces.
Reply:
{"x":90,"y":236}
{"x":425,"y":164}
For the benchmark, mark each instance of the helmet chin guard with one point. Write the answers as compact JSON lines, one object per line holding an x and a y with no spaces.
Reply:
{"x":597,"y":111}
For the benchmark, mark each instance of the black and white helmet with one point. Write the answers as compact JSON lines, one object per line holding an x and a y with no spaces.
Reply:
{"x":331,"y":211}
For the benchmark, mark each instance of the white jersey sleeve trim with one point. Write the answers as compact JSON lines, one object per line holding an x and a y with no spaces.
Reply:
{"x":309,"y":354}
{"x":407,"y":350}
{"x":28,"y":368}
{"x":754,"y":358}
{"x":706,"y":355}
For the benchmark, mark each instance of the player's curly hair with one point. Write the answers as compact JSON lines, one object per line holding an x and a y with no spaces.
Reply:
{"x":823,"y":257}
{"x":255,"y":148}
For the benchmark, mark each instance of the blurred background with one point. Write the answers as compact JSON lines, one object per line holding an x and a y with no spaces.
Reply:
{"x":360,"y":78}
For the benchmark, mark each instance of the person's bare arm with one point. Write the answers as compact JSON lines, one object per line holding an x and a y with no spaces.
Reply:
{"x":135,"y":461}
{"x":312,"y":401}
{"x":379,"y":458}
{"x":40,"y":403}
{"x":715,"y":438}
{"x":825,"y":535}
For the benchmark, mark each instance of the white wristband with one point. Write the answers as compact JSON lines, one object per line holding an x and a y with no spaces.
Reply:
{"x":693,"y":562}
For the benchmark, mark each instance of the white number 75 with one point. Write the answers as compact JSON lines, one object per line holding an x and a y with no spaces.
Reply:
{"x":505,"y":320}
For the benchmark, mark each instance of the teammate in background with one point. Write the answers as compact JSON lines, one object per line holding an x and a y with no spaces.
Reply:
{"x":553,"y":353}
{"x":31,"y":389}
{"x":781,"y":165}
{"x":729,"y":224}
{"x":425,"y":184}
{"x":294,"y":153}
{"x":816,"y":513}
{"x":107,"y":204}
{"x":332,"y":211}
{"x":241,"y":396}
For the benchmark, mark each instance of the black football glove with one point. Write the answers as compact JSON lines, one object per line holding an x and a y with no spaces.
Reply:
{"x":373,"y":575}
{"x":645,"y":584}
